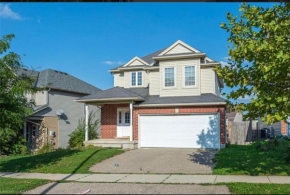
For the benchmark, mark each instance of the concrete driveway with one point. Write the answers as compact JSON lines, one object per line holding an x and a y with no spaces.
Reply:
{"x":172,"y":161}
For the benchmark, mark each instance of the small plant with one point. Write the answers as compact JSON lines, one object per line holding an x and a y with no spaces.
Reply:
{"x":45,"y":149}
{"x":78,"y":136}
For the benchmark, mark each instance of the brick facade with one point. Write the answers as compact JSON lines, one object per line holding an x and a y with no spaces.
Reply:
{"x":109,"y":120}
{"x":109,"y":117}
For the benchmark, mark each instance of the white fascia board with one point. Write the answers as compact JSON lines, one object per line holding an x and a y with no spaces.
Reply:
{"x":179,"y":56}
{"x":136,"y":58}
{"x":108,"y":99}
{"x":176,"y":43}
{"x":182,"y":104}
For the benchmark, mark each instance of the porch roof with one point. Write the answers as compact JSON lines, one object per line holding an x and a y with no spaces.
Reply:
{"x":141,"y":97}
{"x":112,"y":94}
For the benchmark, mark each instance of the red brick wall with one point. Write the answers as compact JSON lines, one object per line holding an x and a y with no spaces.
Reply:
{"x":171,"y":110}
{"x":109,"y":117}
{"x":283,"y":128}
{"x":109,"y":120}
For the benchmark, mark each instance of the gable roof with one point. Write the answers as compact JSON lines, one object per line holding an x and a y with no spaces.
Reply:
{"x":59,"y":80}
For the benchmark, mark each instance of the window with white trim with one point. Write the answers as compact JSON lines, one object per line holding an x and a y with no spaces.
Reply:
{"x":169,"y":77}
{"x":136,"y":79}
{"x":189,"y":76}
{"x":120,"y":117}
{"x":127,"y":117}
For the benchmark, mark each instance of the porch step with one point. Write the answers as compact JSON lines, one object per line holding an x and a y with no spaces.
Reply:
{"x":123,"y":138}
{"x":113,"y":143}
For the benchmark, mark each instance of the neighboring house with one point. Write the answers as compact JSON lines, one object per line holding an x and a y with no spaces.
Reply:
{"x":168,"y":99}
{"x":280,"y":127}
{"x":48,"y":124}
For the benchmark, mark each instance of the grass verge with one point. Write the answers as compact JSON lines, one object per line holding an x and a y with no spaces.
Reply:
{"x":59,"y":161}
{"x":18,"y":186}
{"x":257,"y":188}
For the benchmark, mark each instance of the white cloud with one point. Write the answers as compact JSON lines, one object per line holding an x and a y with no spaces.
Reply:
{"x":6,"y":12}
{"x":223,"y":63}
{"x":113,"y":62}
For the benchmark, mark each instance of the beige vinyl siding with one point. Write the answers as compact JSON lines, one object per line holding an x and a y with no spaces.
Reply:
{"x":207,"y":80}
{"x":178,"y":49}
{"x":154,"y":88}
{"x":127,"y":79}
{"x":41,"y":98}
{"x":119,"y":80}
{"x":135,"y":63}
{"x":179,"y":89}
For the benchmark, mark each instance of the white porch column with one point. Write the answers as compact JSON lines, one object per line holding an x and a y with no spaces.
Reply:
{"x":131,"y":120}
{"x":24,"y":130}
{"x":87,"y":123}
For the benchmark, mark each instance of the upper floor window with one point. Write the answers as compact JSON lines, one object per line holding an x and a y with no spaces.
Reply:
{"x":136,"y":79}
{"x":169,"y":77}
{"x":189,"y":75}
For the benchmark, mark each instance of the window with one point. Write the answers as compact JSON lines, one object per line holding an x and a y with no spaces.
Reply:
{"x":169,"y":77}
{"x":120,"y":117}
{"x":133,"y":78}
{"x":139,"y":78}
{"x":189,"y":75}
{"x":136,"y":78}
{"x":127,"y":117}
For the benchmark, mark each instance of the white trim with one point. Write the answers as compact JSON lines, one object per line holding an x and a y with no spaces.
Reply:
{"x":136,"y":78}
{"x":163,"y":79}
{"x":183,"y":76}
{"x":194,"y":55}
{"x":87,"y":124}
{"x":108,"y":99}
{"x":176,"y":43}
{"x":182,"y":104}
{"x":135,"y":58}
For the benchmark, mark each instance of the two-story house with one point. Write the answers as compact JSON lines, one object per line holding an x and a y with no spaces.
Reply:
{"x":55,"y":113}
{"x":168,"y":99}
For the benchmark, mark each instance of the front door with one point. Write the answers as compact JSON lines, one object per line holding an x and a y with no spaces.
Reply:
{"x":123,"y":122}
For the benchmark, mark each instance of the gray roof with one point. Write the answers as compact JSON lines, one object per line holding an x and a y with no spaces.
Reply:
{"x":145,"y":98}
{"x":59,"y":80}
{"x":113,"y":93}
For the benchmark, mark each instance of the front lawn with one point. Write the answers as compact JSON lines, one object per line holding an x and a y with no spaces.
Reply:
{"x":59,"y":161}
{"x":18,"y":186}
{"x":257,"y":188}
{"x":248,"y":160}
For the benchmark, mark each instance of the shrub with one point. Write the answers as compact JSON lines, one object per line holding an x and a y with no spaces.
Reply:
{"x":78,"y":136}
{"x":45,"y":149}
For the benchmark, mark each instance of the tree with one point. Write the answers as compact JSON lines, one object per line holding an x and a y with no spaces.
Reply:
{"x":77,"y":137}
{"x":13,"y":104}
{"x":259,"y":61}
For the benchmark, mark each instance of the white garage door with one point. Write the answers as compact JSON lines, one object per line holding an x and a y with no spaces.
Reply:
{"x":179,"y":131}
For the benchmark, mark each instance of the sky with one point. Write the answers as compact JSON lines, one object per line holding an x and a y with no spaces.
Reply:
{"x":87,"y":39}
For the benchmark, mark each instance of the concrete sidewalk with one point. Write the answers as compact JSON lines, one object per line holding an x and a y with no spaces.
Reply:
{"x":151,"y":178}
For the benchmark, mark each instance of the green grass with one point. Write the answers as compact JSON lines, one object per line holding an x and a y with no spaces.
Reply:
{"x":59,"y":161}
{"x":18,"y":186}
{"x":254,"y":188}
{"x":247,"y":160}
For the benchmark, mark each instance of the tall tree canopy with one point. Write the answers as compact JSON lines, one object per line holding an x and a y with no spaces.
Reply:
{"x":13,"y":104}
{"x":259,"y":61}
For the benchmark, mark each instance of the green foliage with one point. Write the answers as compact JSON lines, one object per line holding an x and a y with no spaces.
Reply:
{"x":250,"y":160}
{"x":13,"y":104}
{"x":78,"y":136}
{"x":45,"y":149}
{"x":259,"y":58}
{"x":280,"y":145}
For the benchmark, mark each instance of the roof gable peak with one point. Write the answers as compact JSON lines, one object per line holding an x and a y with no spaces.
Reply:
{"x":136,"y":61}
{"x":179,"y":47}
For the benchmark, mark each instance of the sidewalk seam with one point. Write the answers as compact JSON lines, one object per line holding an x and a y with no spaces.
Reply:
{"x":215,"y":179}
{"x":123,"y":177}
{"x":269,"y":179}
{"x":165,"y":179}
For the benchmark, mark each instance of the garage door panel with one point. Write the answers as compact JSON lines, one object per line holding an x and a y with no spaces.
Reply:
{"x":179,"y":131}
